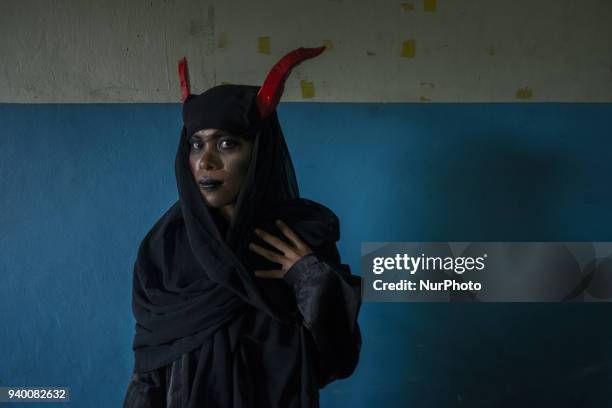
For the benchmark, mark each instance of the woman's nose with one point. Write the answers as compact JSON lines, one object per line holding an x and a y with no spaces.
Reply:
{"x":209,"y":160}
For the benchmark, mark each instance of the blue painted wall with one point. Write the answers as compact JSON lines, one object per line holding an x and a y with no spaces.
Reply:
{"x":81,"y":185}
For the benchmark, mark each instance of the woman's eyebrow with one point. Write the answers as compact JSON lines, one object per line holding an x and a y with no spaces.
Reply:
{"x":207,"y":138}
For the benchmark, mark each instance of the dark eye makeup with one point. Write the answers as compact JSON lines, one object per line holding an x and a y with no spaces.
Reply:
{"x":227,"y":143}
{"x":224,"y":142}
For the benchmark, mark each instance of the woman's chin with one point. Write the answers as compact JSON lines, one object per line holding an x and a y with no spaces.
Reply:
{"x":215,"y":202}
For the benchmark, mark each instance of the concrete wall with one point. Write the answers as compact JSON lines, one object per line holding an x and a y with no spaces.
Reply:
{"x":385,"y":51}
{"x":82,"y":184}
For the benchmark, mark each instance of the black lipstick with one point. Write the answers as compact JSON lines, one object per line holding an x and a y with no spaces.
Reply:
{"x":209,"y":184}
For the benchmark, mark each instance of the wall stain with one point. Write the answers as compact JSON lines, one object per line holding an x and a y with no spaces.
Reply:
{"x":222,"y":41}
{"x":209,"y":26}
{"x":200,"y":27}
{"x":370,"y":53}
{"x":196,"y":27}
{"x":408,"y":6}
{"x":112,"y":92}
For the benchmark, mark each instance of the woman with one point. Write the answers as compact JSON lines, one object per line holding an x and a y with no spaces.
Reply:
{"x":239,"y":296}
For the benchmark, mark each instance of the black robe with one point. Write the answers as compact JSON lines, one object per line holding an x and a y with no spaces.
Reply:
{"x":209,"y":333}
{"x":256,"y":361}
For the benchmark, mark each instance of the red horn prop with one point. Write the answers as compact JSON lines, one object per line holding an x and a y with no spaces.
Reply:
{"x":183,"y":78}
{"x":272,"y":89}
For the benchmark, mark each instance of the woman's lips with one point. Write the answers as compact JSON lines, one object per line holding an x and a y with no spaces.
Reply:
{"x":209,"y":185}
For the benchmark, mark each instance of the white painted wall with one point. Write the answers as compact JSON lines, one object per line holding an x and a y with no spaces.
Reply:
{"x":465,"y":50}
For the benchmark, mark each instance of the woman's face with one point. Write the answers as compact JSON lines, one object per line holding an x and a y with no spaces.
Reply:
{"x":219,"y":162}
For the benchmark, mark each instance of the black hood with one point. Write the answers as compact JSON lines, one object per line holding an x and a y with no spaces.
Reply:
{"x":194,"y":271}
{"x":228,"y":107}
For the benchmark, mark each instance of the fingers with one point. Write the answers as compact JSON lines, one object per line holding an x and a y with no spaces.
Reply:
{"x":271,"y":274}
{"x":290,"y":254}
{"x":270,"y":255}
{"x":293,"y":237}
{"x":274,"y":241}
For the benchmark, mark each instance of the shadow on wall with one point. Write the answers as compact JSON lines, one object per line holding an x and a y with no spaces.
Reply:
{"x":492,"y":355}
{"x":467,"y":172}
{"x":501,"y":190}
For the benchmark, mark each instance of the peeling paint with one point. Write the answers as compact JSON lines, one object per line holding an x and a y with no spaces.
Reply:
{"x":524,"y":93}
{"x":424,"y":99}
{"x":263,"y":45}
{"x":429,"y":84}
{"x":408,"y":49}
{"x":328,"y":44}
{"x":408,"y":6}
{"x":308,"y":90}
{"x":430,"y":5}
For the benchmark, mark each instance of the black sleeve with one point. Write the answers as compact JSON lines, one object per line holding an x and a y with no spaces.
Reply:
{"x":146,"y":390}
{"x":329,"y":298}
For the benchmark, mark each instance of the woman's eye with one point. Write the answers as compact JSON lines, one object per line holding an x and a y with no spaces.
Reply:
{"x":196,"y":145}
{"x":227,"y":144}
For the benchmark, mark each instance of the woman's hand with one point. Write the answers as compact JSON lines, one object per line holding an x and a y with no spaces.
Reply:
{"x":289,"y":255}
